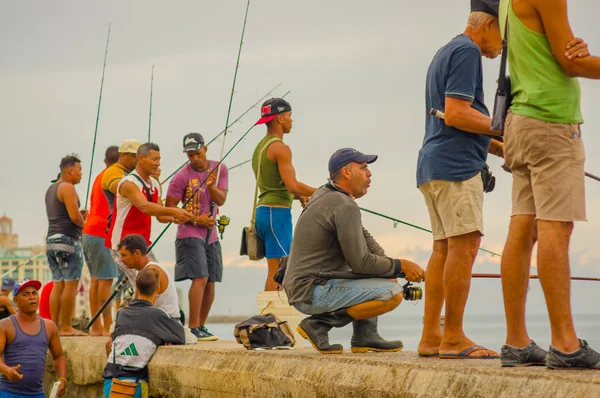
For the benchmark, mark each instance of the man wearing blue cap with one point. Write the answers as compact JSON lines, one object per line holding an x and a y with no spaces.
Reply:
{"x":6,"y":307}
{"x":329,"y":237}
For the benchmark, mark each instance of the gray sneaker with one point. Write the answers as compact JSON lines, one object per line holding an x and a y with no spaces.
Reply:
{"x":206,"y":335}
{"x":530,"y":355}
{"x":583,"y":358}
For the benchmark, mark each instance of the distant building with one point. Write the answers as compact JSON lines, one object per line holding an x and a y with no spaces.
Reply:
{"x":8,"y":240}
{"x":25,"y":262}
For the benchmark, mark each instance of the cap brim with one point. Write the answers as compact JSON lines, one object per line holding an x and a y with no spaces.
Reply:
{"x":36,"y":284}
{"x":265,"y":119}
{"x":194,"y":147}
{"x":367,"y":159}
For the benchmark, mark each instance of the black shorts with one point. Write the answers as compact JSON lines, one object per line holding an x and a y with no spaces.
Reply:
{"x":194,"y":260}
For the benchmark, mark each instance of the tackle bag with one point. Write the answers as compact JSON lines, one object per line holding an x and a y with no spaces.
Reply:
{"x":264,"y":331}
{"x":252,"y":245}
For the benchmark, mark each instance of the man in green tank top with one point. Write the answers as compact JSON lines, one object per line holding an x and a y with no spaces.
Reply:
{"x":544,"y":149}
{"x":278,"y":185}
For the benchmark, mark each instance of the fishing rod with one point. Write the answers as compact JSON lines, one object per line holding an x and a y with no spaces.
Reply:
{"x":396,"y":222}
{"x":222,"y":132}
{"x":533,"y":276}
{"x":213,"y":206}
{"x":441,"y":115}
{"x":87,"y":193}
{"x":124,"y":279}
{"x":150,"y":113}
{"x":240,"y":164}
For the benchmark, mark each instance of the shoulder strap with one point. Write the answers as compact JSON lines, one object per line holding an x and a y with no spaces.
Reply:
{"x":502,"y":78}
{"x":269,"y":142}
{"x":144,"y":186}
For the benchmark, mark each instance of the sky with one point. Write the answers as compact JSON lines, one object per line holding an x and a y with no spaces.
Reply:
{"x":356,"y":72}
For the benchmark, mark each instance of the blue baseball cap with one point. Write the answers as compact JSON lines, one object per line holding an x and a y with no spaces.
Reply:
{"x":7,"y":284}
{"x":26,"y":283}
{"x":343,"y":156}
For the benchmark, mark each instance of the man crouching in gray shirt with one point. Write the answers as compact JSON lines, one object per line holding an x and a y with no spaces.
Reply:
{"x":329,"y":237}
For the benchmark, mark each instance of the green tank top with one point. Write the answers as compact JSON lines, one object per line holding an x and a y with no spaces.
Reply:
{"x":540,"y":88}
{"x":272,"y":189}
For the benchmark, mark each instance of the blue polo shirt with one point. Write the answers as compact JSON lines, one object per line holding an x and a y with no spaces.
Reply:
{"x":448,"y":153}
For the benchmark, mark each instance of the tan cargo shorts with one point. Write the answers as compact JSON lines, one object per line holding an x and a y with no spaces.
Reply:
{"x":547,"y":161}
{"x":455,"y":207}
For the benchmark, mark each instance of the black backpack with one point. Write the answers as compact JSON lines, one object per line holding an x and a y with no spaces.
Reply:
{"x":264,"y":331}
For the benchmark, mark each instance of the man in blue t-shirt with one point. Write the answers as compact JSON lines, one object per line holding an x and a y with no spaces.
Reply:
{"x":449,"y":176}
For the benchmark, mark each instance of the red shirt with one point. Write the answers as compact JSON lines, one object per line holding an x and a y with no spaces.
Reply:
{"x":44,"y":307}
{"x":97,"y":219}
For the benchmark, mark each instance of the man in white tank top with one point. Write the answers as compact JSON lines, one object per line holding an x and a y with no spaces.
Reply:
{"x":134,"y":254}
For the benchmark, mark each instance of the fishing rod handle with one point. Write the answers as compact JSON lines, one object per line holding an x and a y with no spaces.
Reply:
{"x":109,"y":300}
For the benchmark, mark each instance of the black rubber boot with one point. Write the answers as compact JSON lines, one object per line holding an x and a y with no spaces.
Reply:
{"x":315,"y":329}
{"x":366,"y":338}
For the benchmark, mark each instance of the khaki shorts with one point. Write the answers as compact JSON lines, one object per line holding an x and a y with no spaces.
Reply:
{"x":547,"y":161}
{"x":455,"y":207}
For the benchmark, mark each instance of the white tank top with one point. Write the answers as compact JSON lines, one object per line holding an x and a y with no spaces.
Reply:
{"x":168,"y":300}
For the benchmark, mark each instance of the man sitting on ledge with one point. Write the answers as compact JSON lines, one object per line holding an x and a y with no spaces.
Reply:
{"x":329,"y":237}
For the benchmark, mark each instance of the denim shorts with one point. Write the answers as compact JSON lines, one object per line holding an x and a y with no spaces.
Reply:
{"x":343,"y":293}
{"x":65,"y":257}
{"x":274,"y":226}
{"x":97,"y":257}
{"x":194,"y":260}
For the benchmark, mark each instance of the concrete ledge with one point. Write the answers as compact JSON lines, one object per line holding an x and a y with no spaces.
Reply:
{"x":225,"y":369}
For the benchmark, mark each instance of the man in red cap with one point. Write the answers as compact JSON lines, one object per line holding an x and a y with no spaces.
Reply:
{"x":24,"y":340}
{"x":276,"y":179}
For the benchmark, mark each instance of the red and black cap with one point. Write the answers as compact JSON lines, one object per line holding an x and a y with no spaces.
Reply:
{"x":271,"y":108}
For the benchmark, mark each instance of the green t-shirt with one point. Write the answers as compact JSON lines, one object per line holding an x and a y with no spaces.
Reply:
{"x":540,"y":87}
{"x":272,"y":189}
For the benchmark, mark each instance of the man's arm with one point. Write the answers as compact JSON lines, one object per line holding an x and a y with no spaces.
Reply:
{"x":67,"y":193}
{"x":351,"y":235}
{"x":555,"y":20}
{"x":5,"y":301}
{"x":168,"y":330}
{"x":283,"y":156}
{"x":60,"y":361}
{"x":461,"y":115}
{"x":218,"y":194}
{"x":12,"y":373}
{"x":131,"y":191}
{"x":372,"y":244}
{"x":496,"y":148}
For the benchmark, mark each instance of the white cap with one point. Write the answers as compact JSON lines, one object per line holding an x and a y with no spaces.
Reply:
{"x":129,"y":146}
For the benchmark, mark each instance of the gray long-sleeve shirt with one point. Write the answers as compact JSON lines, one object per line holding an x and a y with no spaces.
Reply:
{"x":329,"y":236}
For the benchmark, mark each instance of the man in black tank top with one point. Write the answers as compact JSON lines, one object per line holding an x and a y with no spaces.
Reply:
{"x":63,"y":243}
{"x":6,"y":307}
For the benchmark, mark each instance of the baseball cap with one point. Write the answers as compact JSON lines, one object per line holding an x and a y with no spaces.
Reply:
{"x":192,"y":142}
{"x":7,"y":284}
{"x":343,"y":156}
{"x":488,"y":6}
{"x":26,"y":283}
{"x":271,"y":108}
{"x":129,"y":146}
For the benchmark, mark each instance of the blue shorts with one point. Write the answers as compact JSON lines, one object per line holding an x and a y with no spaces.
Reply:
{"x":65,"y":257}
{"x":274,"y":226}
{"x":6,"y":394}
{"x":97,"y":257}
{"x":140,"y":392}
{"x":343,"y":293}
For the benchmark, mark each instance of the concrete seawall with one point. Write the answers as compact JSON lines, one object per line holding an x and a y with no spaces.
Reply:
{"x":225,"y":369}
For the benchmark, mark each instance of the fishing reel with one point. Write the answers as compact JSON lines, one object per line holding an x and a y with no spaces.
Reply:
{"x":222,"y":222}
{"x":412,"y":293}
